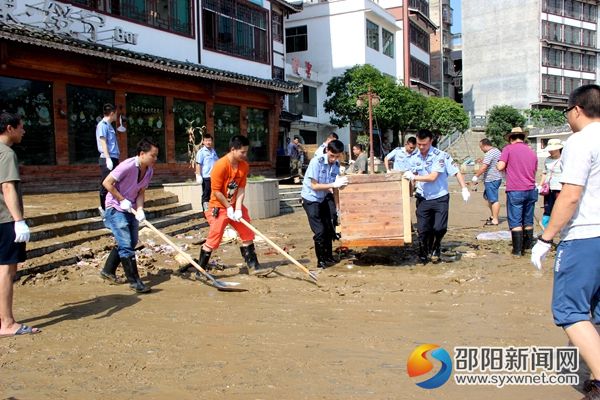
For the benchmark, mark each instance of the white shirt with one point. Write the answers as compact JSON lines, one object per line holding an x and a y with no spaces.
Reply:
{"x":581,"y":166}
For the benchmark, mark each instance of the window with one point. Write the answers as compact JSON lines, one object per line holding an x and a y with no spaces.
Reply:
{"x":258,"y":134}
{"x":145,"y":117}
{"x":235,"y":28}
{"x":572,"y":60}
{"x":277,"y":26}
{"x":421,"y":5}
{"x":227,"y":124}
{"x":571,"y":84}
{"x":552,"y":31}
{"x":296,"y":39}
{"x":388,"y":42}
{"x":419,"y":37}
{"x":573,"y":9}
{"x":372,"y":35}
{"x":551,"y":57}
{"x":589,"y":62}
{"x":572,"y":35}
{"x":188,"y":115}
{"x":278,"y":73}
{"x":170,"y":15}
{"x":419,"y":70}
{"x":553,"y":7}
{"x":84,"y":110}
{"x":552,"y":84}
{"x":590,"y":12}
{"x":304,"y":102}
{"x":33,"y":101}
{"x":589,"y":38}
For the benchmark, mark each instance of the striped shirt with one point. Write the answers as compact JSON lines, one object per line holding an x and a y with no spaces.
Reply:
{"x":491,"y":159}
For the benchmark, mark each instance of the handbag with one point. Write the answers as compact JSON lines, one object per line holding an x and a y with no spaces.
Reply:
{"x":545,"y":189}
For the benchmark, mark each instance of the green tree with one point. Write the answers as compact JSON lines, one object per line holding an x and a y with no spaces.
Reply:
{"x":408,"y":109}
{"x":545,"y":117}
{"x":444,"y":116}
{"x":501,"y":119}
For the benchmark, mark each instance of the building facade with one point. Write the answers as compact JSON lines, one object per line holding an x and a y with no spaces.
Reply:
{"x":527,"y":54}
{"x":169,"y":66}
{"x":443,"y":73}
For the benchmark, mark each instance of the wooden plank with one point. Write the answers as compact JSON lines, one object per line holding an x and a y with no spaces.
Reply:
{"x":383,"y":242}
{"x":406,"y":211}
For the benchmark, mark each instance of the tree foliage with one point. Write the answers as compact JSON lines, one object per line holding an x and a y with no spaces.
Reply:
{"x":444,"y":116}
{"x":545,"y":117}
{"x":501,"y":119}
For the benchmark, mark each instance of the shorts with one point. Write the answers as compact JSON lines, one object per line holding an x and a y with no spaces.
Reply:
{"x":490,"y":192}
{"x":10,"y":252}
{"x":576,"y":293}
{"x":218,"y":224}
{"x":520,"y":206}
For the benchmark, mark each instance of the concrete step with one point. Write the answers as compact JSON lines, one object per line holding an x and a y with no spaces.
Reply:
{"x":66,"y":227}
{"x":77,"y":243}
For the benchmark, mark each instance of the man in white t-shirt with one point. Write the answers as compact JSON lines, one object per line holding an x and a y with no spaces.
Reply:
{"x":576,"y":215}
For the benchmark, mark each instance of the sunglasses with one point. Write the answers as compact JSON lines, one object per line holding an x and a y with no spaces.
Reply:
{"x":566,"y":111}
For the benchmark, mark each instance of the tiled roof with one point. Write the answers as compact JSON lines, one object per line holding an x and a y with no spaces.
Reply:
{"x":296,"y":6}
{"x":43,"y":38}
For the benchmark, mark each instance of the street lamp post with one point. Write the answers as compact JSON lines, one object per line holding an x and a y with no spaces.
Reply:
{"x":372,"y":101}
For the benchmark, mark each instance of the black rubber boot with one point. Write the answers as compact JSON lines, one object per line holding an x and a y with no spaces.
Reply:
{"x":517,"y":242}
{"x":424,"y":248}
{"x":436,"y":249}
{"x":131,"y":272}
{"x":321,"y":253}
{"x":254,"y":267}
{"x":328,"y":253}
{"x":203,"y":262}
{"x":110,"y":266}
{"x":527,"y":240}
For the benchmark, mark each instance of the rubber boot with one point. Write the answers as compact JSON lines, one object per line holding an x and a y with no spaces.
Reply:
{"x":110,"y":266}
{"x":517,"y":242}
{"x":527,"y":240}
{"x":328,"y":253}
{"x":203,"y":262}
{"x":436,"y":248}
{"x":131,"y":272}
{"x":545,"y":220}
{"x":254,"y":267}
{"x":424,"y":248}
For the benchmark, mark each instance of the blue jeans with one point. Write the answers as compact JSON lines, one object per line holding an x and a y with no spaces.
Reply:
{"x":490,"y":193}
{"x":520,"y":206}
{"x":124,"y":227}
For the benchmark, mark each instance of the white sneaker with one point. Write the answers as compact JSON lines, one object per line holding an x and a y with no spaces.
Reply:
{"x":101,"y":211}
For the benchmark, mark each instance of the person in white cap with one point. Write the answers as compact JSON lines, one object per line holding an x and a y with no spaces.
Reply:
{"x":550,"y":185}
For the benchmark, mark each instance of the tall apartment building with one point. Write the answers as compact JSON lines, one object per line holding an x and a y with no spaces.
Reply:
{"x":443,"y":74}
{"x":527,"y":53}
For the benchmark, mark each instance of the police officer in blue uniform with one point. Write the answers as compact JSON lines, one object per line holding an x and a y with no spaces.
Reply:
{"x":430,"y":168}
{"x":319,"y":199}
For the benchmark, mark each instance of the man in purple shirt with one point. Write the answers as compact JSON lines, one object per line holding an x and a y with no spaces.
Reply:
{"x":126,"y":186}
{"x":520,"y":164}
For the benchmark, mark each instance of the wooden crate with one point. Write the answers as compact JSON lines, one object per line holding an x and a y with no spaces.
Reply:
{"x":375,"y":211}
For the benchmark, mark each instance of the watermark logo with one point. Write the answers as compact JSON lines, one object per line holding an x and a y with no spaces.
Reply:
{"x":418,"y":365}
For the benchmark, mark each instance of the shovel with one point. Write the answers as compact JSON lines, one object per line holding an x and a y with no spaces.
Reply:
{"x":220,"y":285}
{"x":279,"y":249}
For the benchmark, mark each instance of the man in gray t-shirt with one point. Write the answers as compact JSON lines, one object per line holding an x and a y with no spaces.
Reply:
{"x":13,"y":229}
{"x":492,"y":178}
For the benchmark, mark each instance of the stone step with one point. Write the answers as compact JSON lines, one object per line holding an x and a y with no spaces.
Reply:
{"x":51,"y":230}
{"x":173,"y":224}
{"x":38,"y":220}
{"x":289,"y":195}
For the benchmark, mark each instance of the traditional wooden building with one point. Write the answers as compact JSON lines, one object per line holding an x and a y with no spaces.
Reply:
{"x":167,"y":75}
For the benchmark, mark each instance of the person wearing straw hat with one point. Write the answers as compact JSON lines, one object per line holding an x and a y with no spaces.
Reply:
{"x":550,"y":185}
{"x":520,"y":163}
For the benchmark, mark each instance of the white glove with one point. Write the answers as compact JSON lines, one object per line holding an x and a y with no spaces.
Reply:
{"x":230,"y":213}
{"x":21,"y":232}
{"x":237,"y":215}
{"x":539,"y":188}
{"x":474,"y":179}
{"x":140,"y":215}
{"x":340,"y":181}
{"x":198,"y":178}
{"x":538,"y":253}
{"x":465,"y":194}
{"x":409,"y":175}
{"x":109,"y":164}
{"x":125,"y":205}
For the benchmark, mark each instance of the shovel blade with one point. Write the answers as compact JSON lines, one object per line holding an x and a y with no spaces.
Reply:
{"x":227,"y":286}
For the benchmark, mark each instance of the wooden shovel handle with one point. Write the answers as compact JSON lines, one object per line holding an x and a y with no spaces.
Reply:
{"x":279,"y":249}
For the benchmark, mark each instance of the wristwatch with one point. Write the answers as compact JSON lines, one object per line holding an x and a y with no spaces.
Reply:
{"x":541,"y":239}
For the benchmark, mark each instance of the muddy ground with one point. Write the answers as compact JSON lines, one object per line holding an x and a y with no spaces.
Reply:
{"x":348,"y":337}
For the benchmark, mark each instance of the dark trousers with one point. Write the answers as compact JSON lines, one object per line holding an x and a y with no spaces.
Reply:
{"x":205,"y":190}
{"x":104,"y":171}
{"x":320,"y":220}
{"x":549,"y":201}
{"x":432,"y":220}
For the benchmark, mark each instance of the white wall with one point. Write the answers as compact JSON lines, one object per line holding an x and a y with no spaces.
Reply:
{"x":501,"y":53}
